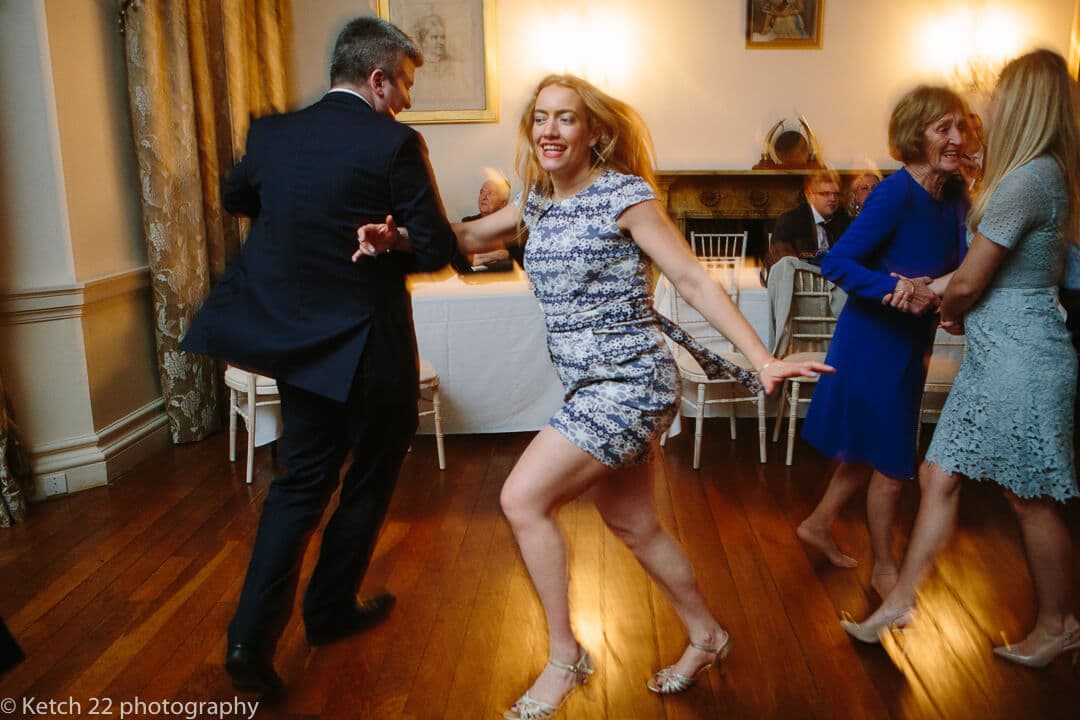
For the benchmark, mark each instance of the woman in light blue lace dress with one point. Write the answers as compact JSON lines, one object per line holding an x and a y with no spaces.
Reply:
{"x":593,"y":221}
{"x":1009,"y":417}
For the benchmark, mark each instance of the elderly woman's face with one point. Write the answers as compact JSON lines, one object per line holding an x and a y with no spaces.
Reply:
{"x":943,"y":142}
{"x":862,"y":188}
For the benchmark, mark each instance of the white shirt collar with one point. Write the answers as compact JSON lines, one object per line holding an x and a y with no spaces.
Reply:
{"x":818,"y":217}
{"x":350,"y":92}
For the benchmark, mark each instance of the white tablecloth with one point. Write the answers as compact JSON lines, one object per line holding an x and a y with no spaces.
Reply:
{"x":485,"y":336}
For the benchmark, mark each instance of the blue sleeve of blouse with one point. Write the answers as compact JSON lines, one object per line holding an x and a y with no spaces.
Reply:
{"x":845,"y":263}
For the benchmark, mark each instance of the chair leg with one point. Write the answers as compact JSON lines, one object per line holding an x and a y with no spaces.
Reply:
{"x":780,"y":411}
{"x":699,"y":425}
{"x":731,"y":418}
{"x":436,"y":406}
{"x":761,"y":425}
{"x":663,"y":438}
{"x":794,"y":405}
{"x":251,"y":430}
{"x":232,"y":425}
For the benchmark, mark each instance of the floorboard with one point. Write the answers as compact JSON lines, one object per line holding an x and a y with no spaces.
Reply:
{"x":126,"y":591}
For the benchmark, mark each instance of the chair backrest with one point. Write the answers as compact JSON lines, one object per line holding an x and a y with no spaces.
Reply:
{"x":811,"y":321}
{"x":719,"y":245}
{"x":689,"y":319}
{"x":945,"y":360}
{"x":723,"y":255}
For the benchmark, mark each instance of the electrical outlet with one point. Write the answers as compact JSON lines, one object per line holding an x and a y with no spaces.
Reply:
{"x":54,"y":484}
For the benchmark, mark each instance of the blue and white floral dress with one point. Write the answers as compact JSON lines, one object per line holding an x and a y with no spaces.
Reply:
{"x":605,"y":339}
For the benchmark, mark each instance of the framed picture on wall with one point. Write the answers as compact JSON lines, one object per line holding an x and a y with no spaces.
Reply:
{"x":784,"y":23}
{"x":456,"y":83}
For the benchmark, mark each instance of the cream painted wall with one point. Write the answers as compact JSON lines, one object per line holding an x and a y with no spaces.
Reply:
{"x":76,"y":327}
{"x":683,"y":64}
{"x":35,"y":246}
{"x":95,"y":136}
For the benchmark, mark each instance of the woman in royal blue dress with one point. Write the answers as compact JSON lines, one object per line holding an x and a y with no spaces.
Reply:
{"x":1009,"y":417}
{"x":910,"y":231}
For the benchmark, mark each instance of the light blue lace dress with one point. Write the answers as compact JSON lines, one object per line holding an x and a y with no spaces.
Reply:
{"x":1009,"y":417}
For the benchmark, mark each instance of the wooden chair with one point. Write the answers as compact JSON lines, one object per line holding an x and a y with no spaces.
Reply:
{"x":948,"y":356}
{"x":808,"y":333}
{"x":724,"y":255}
{"x":248,"y":391}
{"x":690,"y":371}
{"x":429,"y":392}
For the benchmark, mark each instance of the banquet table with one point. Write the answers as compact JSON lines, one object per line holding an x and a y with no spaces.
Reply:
{"x":485,"y":336}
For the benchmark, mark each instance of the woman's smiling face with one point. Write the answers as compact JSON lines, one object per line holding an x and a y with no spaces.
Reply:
{"x":560,"y":132}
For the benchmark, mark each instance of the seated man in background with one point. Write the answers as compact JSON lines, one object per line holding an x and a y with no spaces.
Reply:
{"x":811,"y":228}
{"x":494,"y":194}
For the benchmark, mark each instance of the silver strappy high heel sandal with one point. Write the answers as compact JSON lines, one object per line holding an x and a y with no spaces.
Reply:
{"x":669,"y":682}
{"x":529,"y":708}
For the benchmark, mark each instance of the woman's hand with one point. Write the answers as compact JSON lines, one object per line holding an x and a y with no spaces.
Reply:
{"x":912,"y":295}
{"x":953,"y":327}
{"x":374,"y":238}
{"x":773,"y":372}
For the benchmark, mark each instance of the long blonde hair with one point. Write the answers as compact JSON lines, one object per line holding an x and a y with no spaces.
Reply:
{"x":625,"y":144}
{"x":1034,"y":113}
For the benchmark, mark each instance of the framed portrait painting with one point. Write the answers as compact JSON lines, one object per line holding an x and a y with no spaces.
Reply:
{"x":456,"y":83}
{"x":784,"y":23}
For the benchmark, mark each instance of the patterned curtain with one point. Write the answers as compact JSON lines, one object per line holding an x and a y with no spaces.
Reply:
{"x":14,"y":468}
{"x":198,"y":70}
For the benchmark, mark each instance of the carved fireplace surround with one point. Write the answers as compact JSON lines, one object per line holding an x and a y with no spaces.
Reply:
{"x":734,"y":200}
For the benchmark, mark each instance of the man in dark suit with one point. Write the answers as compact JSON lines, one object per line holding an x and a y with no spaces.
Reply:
{"x":811,"y":228}
{"x":336,"y":334}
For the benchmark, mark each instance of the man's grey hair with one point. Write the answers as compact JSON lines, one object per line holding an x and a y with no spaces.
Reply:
{"x":367,"y":44}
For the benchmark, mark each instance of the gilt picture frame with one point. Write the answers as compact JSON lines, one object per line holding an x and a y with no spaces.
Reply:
{"x":456,"y":83}
{"x":784,"y":24}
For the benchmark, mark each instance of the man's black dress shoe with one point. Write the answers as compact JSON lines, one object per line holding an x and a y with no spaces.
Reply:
{"x":363,"y":615}
{"x":250,"y":671}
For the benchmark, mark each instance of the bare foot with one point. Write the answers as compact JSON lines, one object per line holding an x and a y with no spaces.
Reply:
{"x":821,"y":539}
{"x":884,"y":580}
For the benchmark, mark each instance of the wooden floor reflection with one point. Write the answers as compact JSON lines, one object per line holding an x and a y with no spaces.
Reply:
{"x":126,"y":591}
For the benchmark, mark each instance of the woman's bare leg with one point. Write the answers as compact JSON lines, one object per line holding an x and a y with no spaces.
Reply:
{"x":551,"y":472}
{"x":1049,"y":556}
{"x":882,"y":499}
{"x":934,"y":525}
{"x":625,"y":501}
{"x":816,"y":529}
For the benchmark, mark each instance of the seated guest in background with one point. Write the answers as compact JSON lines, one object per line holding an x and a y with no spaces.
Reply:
{"x":911,"y":230}
{"x":810,"y":229}
{"x":494,"y":194}
{"x":859,"y":189}
{"x":972,"y":160}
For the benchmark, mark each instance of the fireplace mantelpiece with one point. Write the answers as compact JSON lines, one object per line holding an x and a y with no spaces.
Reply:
{"x":734,"y":194}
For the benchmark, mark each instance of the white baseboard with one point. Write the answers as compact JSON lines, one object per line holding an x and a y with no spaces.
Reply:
{"x":93,"y":460}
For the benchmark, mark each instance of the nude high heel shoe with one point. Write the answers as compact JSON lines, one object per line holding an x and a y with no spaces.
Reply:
{"x":1052,"y":646}
{"x":668,"y":681}
{"x":529,"y":708}
{"x":870,"y":632}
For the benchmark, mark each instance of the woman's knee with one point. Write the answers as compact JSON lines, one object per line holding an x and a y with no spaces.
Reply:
{"x":933,"y":480}
{"x":520,"y":506}
{"x":634,"y":532}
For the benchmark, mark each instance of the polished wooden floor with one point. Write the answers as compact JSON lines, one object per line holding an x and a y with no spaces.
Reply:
{"x":125,"y":591}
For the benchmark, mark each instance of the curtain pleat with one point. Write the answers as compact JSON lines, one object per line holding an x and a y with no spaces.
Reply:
{"x":198,"y":70}
{"x":14,"y":467}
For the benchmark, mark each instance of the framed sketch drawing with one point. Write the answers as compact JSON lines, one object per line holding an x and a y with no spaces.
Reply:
{"x":456,"y":83}
{"x":784,"y":23}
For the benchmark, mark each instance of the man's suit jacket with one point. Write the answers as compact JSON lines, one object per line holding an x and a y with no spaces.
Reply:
{"x":292,"y":305}
{"x":795,"y":233}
